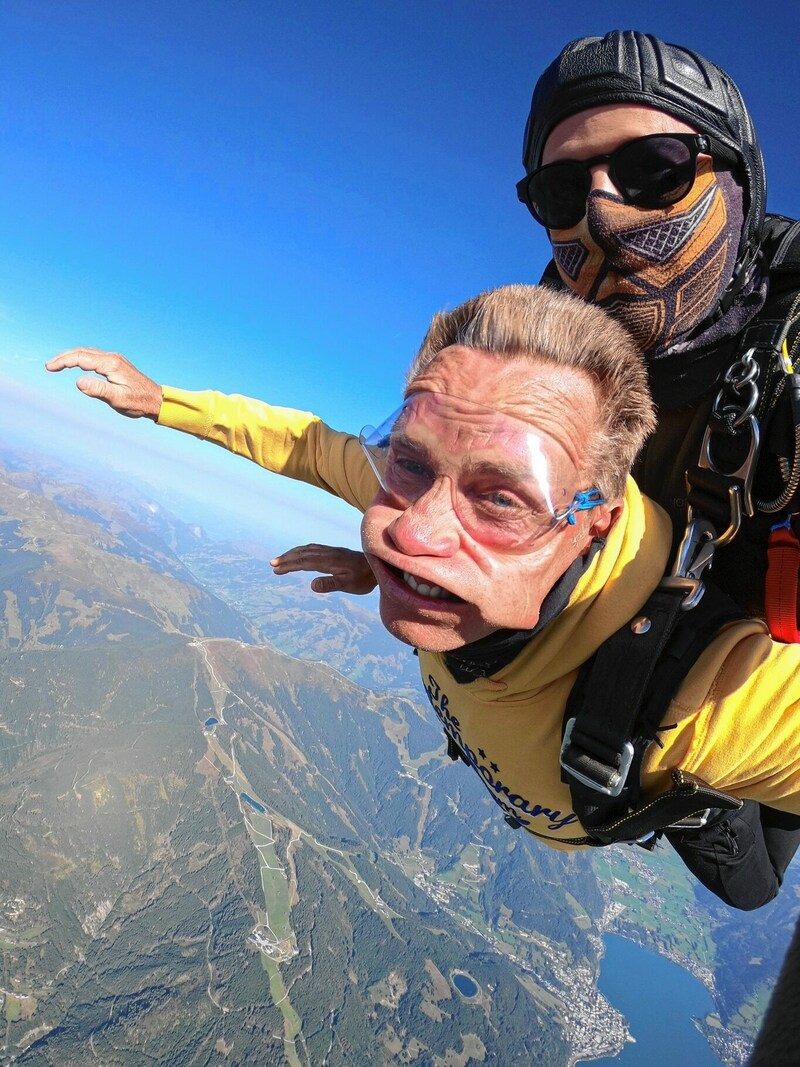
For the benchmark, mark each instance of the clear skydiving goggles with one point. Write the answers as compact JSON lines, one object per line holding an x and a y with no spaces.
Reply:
{"x":509,"y":483}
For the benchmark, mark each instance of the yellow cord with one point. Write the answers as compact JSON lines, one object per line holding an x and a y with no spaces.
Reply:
{"x":786,"y":359}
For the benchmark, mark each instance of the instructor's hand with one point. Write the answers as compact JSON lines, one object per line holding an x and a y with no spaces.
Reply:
{"x":125,"y":388}
{"x":343,"y":569}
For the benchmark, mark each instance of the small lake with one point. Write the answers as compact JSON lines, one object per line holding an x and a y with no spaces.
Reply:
{"x":465,"y":985}
{"x":658,"y":999}
{"x":253,"y":803}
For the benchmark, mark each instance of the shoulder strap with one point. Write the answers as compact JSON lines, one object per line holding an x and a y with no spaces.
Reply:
{"x":778,"y":317}
{"x":616,"y":709}
{"x":782,"y":240}
{"x":749,"y":462}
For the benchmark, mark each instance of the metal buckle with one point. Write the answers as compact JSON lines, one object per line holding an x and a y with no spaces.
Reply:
{"x":617,"y":776}
{"x":692,"y":822}
{"x":695,"y":554}
{"x":696,"y":551}
{"x":693,"y":589}
{"x":740,"y":495}
{"x":735,"y":405}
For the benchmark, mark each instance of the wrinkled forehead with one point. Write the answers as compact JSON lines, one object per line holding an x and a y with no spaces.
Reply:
{"x":466,"y":435}
{"x":558,"y":402}
{"x":460,"y":425}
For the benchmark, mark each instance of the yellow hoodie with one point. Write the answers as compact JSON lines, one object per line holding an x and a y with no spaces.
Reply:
{"x":736,"y":717}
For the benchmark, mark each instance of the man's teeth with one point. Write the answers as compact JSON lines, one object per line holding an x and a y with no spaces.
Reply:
{"x":434,"y":591}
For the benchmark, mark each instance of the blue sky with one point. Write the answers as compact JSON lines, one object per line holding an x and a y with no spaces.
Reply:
{"x":273,"y":198}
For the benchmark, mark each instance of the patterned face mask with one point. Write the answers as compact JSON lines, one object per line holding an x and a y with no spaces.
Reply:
{"x":659,"y":272}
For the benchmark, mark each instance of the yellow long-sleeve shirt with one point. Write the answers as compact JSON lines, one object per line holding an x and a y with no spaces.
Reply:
{"x":736,"y":716}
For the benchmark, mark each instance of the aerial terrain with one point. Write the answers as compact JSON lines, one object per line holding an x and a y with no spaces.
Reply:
{"x":230,"y":832}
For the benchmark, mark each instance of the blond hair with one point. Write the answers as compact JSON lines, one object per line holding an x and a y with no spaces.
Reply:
{"x":529,"y":321}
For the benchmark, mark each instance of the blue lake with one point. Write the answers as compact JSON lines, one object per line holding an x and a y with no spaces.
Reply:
{"x":253,"y":803}
{"x":658,"y":999}
{"x":464,"y":985}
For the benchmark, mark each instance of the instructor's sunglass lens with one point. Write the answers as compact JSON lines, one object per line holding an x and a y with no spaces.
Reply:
{"x":650,"y":172}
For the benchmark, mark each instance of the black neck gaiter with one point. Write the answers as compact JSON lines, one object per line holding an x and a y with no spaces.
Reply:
{"x":490,"y":654}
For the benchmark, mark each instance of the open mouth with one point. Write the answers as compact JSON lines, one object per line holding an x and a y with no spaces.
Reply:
{"x":422,"y":588}
{"x":426,"y":589}
{"x":435,"y":592}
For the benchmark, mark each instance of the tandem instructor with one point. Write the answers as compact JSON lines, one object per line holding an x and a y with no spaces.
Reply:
{"x":511,"y":549}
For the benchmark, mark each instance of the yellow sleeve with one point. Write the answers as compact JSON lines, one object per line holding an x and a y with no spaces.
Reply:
{"x":293,"y":443}
{"x":735,"y":721}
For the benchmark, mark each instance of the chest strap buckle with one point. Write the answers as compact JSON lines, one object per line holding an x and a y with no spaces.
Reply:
{"x":586,"y":768}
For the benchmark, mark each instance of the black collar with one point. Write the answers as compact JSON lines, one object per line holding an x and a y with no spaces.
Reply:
{"x":491,"y":653}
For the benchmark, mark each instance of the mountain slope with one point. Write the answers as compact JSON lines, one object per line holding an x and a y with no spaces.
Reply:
{"x":75,"y":573}
{"x":211,"y":852}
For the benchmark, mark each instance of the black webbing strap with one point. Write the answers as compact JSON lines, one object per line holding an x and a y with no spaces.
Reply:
{"x":786,"y":257}
{"x":616,"y":709}
{"x":689,"y":802}
{"x":598,"y":745}
{"x":453,"y":750}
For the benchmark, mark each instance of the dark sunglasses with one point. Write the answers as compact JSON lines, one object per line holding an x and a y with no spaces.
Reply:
{"x":652,"y":172}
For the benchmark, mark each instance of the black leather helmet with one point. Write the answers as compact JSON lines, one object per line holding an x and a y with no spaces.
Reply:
{"x":630,"y":67}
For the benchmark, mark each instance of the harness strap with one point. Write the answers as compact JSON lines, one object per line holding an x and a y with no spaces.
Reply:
{"x":454,"y":751}
{"x":687,"y":805}
{"x":780,"y":593}
{"x":599,"y":748}
{"x":786,"y":257}
{"x":616,"y":710}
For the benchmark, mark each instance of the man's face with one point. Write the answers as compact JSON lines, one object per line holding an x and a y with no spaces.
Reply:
{"x":659,"y":271}
{"x":599,"y":130}
{"x":420,"y":549}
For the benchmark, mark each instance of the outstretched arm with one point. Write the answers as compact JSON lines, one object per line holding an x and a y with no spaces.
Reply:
{"x":342,"y":569}
{"x":120,"y":385}
{"x":293,"y":443}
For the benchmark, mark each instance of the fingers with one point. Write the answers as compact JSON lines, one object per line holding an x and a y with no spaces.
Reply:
{"x":95,"y":387}
{"x":341,"y":569}
{"x":308,"y":558}
{"x":105,"y":363}
{"x":325,"y":585}
{"x":284,"y":564}
{"x":125,"y":388}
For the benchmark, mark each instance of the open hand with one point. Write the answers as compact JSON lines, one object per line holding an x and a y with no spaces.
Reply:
{"x":125,"y":389}
{"x":342,"y":569}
